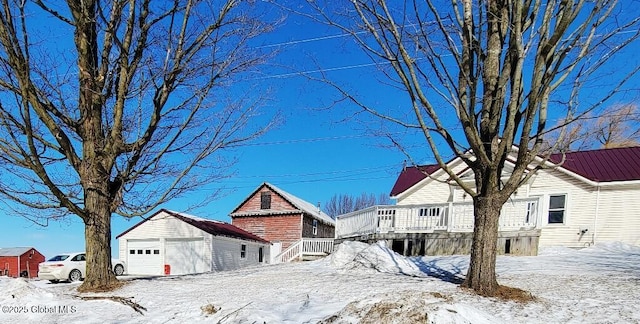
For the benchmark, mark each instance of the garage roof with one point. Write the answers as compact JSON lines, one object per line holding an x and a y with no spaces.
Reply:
{"x":217,"y":227}
{"x":212,"y":227}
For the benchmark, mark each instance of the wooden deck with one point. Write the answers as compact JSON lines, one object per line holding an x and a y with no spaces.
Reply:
{"x":517,"y":214}
{"x":440,"y":229}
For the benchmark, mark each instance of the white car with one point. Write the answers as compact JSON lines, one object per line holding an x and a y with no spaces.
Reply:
{"x":70,"y":266}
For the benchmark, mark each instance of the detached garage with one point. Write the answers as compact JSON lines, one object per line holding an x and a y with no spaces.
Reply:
{"x":175,"y":243}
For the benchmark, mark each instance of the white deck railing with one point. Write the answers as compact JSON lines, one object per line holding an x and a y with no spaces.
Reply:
{"x":306,"y":246}
{"x":293,"y":252}
{"x":450,"y":217}
{"x":317,"y":246}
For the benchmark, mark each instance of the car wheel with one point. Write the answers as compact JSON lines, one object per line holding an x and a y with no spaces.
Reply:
{"x":75,"y":275}
{"x":54,"y":281}
{"x":118,"y":269}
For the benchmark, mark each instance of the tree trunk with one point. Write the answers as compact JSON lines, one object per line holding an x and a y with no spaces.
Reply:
{"x":99,"y":276}
{"x":481,"y":276}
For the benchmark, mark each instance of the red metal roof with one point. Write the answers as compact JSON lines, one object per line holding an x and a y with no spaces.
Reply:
{"x":411,"y":176}
{"x":219,"y":228}
{"x":603,"y":165}
{"x":212,"y":227}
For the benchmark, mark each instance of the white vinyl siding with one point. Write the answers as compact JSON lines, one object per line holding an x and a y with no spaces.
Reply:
{"x":579,"y":211}
{"x":183,"y":247}
{"x":619,"y":215}
{"x":434,"y":193}
{"x":429,"y":190}
{"x":227,"y":253}
{"x":185,"y":256}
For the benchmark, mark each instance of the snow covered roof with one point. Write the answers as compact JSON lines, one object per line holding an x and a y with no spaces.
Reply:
{"x":213,"y":227}
{"x":298,"y":203}
{"x":14,"y":251}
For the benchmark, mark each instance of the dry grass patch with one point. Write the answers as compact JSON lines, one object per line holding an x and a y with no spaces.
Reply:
{"x":209,"y":309}
{"x":514,"y":294}
{"x":114,"y":285}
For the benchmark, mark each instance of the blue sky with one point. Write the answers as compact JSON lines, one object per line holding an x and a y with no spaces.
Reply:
{"x":314,"y":154}
{"x":317,"y":152}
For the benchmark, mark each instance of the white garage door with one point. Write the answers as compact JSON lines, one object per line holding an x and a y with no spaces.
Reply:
{"x":144,"y":258}
{"x":186,"y":256}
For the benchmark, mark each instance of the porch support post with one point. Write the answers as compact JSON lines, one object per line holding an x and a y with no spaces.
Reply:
{"x":406,"y":247}
{"x":450,"y":216}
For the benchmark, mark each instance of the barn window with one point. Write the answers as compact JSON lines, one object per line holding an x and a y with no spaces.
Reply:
{"x":315,"y":227}
{"x":132,"y":251}
{"x":557,"y":208}
{"x":148,"y":252}
{"x":156,"y":251}
{"x":243,"y":251}
{"x":265,"y":200}
{"x":139,"y":251}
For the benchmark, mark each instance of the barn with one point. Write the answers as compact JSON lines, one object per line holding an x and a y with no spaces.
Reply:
{"x":297,"y":228}
{"x":173,"y":243}
{"x":20,"y":261}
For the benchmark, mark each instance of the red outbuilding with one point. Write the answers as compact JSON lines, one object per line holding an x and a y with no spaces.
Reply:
{"x":20,"y":262}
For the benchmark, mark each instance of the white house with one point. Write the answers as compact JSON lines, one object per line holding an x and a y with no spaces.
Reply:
{"x":169,"y":242}
{"x":592,"y":197}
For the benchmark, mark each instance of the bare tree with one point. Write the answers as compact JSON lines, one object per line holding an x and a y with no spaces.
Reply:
{"x":616,"y":126}
{"x":111,"y":107}
{"x":340,"y":204}
{"x":482,"y":78}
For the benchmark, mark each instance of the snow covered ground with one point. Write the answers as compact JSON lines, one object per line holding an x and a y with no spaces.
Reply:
{"x":359,"y":283}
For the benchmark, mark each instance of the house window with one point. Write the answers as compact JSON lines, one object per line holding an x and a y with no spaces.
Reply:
{"x":315,"y":227}
{"x":531,"y":212}
{"x":557,"y":208}
{"x":265,"y":200}
{"x":243,"y":251}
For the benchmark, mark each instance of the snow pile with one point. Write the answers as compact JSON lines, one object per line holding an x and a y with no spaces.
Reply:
{"x":410,"y":306}
{"x":18,"y":288}
{"x":357,"y":255}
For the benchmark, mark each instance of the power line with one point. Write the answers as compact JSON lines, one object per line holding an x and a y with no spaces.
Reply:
{"x":307,"y":140}
{"x":335,"y":172}
{"x":309,"y":40}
